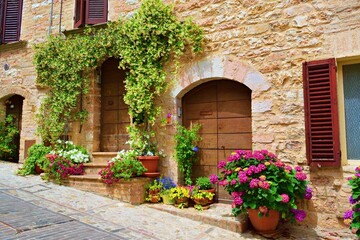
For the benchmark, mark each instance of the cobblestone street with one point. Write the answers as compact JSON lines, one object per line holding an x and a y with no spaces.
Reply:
{"x":31,"y":208}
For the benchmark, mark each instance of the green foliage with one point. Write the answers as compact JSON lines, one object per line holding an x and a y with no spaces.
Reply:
{"x":144,"y":43}
{"x":8,"y":131}
{"x":203,"y":183}
{"x":124,"y":166}
{"x":36,"y":155}
{"x":352,"y":217}
{"x":185,"y":149}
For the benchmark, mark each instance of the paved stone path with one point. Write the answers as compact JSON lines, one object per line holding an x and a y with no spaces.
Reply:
{"x":31,"y":208}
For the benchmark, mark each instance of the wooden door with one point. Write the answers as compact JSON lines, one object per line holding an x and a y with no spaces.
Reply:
{"x":223,"y":107}
{"x":14,"y":107}
{"x":114,"y":112}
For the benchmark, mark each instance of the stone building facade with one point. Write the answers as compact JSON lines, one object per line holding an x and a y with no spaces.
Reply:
{"x":259,"y":44}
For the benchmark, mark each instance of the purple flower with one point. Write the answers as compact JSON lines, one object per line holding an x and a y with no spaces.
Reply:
{"x":233,"y":157}
{"x":261,"y":167}
{"x":349,"y":214}
{"x":214,"y":179}
{"x":300,"y":215}
{"x":264,"y":185}
{"x":300,"y":176}
{"x":196,"y":149}
{"x":288,"y":168}
{"x":221,"y":164}
{"x":223,"y":182}
{"x":242,"y":177}
{"x":308,"y":193}
{"x":298,"y":169}
{"x":285,"y":198}
{"x":279,"y":163}
{"x":265,"y":152}
{"x":258,"y":155}
{"x":352,"y":200}
{"x":237,"y":194}
{"x":238,"y":201}
{"x":233,"y":182}
{"x":250,"y":170}
{"x":254,"y":183}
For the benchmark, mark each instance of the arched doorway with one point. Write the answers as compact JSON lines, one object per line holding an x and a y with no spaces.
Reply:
{"x":14,"y":106}
{"x":223,"y":107}
{"x":114,"y":112}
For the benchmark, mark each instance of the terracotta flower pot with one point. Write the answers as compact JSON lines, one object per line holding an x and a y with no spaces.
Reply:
{"x":265,"y":224}
{"x":150,"y":163}
{"x":38,"y":170}
{"x":212,"y":190}
{"x":181,"y":200}
{"x":202,"y":201}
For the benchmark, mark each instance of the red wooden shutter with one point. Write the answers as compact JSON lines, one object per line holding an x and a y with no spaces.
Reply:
{"x":321,"y":113}
{"x":11,"y":20}
{"x":79,"y":15}
{"x":96,"y":11}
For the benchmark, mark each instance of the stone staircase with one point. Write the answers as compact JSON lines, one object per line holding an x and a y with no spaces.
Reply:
{"x":132,"y":191}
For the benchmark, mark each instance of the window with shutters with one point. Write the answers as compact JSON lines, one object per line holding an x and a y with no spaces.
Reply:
{"x":90,"y":12}
{"x":10,"y":20}
{"x":321,"y":113}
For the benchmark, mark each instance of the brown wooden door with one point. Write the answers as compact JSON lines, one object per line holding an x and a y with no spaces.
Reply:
{"x":114,"y":112}
{"x":223,"y":107}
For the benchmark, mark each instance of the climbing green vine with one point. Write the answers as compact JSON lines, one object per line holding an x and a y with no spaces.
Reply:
{"x":144,"y":43}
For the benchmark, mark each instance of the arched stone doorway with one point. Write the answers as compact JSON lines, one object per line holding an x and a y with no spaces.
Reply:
{"x":114,"y":112}
{"x":223,"y":107}
{"x":14,"y":107}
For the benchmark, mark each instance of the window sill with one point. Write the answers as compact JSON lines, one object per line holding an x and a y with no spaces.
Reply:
{"x":81,"y":30}
{"x":12,"y":46}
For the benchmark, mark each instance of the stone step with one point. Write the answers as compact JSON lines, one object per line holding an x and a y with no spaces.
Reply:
{"x":102,"y":157}
{"x":94,"y":168}
{"x":131,"y":191}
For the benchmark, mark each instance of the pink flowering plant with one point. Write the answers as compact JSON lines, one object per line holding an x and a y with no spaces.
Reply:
{"x":352,"y":217}
{"x":259,"y":180}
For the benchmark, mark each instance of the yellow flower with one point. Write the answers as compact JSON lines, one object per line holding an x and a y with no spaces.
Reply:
{"x":267,"y":163}
{"x":233,"y":153}
{"x":245,"y":169}
{"x":237,"y":169}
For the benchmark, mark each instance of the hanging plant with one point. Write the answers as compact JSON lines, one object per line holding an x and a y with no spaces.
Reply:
{"x":144,"y":43}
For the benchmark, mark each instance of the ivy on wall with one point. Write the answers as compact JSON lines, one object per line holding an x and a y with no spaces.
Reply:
{"x":144,"y":43}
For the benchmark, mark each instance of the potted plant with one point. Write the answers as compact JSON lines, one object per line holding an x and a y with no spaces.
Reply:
{"x":204,"y":184}
{"x":262,"y":185}
{"x":186,"y":149}
{"x":168,"y":184}
{"x":35,"y":162}
{"x":153,"y":190}
{"x":202,"y":198}
{"x":147,"y":153}
{"x":181,"y":195}
{"x":124,"y":166}
{"x":352,"y":217}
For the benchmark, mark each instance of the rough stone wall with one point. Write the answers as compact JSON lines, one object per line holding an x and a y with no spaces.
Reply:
{"x":272,"y":38}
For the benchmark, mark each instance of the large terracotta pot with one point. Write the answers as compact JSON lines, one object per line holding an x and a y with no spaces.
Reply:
{"x":265,"y":224}
{"x":150,"y":163}
{"x":212,"y":190}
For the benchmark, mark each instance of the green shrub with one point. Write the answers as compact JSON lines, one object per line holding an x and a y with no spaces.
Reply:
{"x":8,"y":131}
{"x":36,"y":155}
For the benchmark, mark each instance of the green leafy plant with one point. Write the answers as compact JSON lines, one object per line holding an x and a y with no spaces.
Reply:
{"x":36,"y":156}
{"x":8,"y":132}
{"x":144,"y":43}
{"x":259,"y":180}
{"x":124,"y":166}
{"x":352,"y":217}
{"x":186,"y":149}
{"x":203,"y":183}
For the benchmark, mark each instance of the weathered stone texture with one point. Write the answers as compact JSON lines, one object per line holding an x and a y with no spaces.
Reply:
{"x":261,"y":44}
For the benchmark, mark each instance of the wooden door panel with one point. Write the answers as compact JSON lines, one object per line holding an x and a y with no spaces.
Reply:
{"x":123,"y":116}
{"x":206,"y":94}
{"x":229,"y":91}
{"x":208,"y":141}
{"x":110,"y":117}
{"x":201,"y":111}
{"x":122,"y":128}
{"x":109,"y":143}
{"x":234,"y":125}
{"x":224,"y":153}
{"x":235,"y":141}
{"x":241,"y":108}
{"x":207,"y":157}
{"x":207,"y":125}
{"x":109,"y":129}
{"x":203,"y":171}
